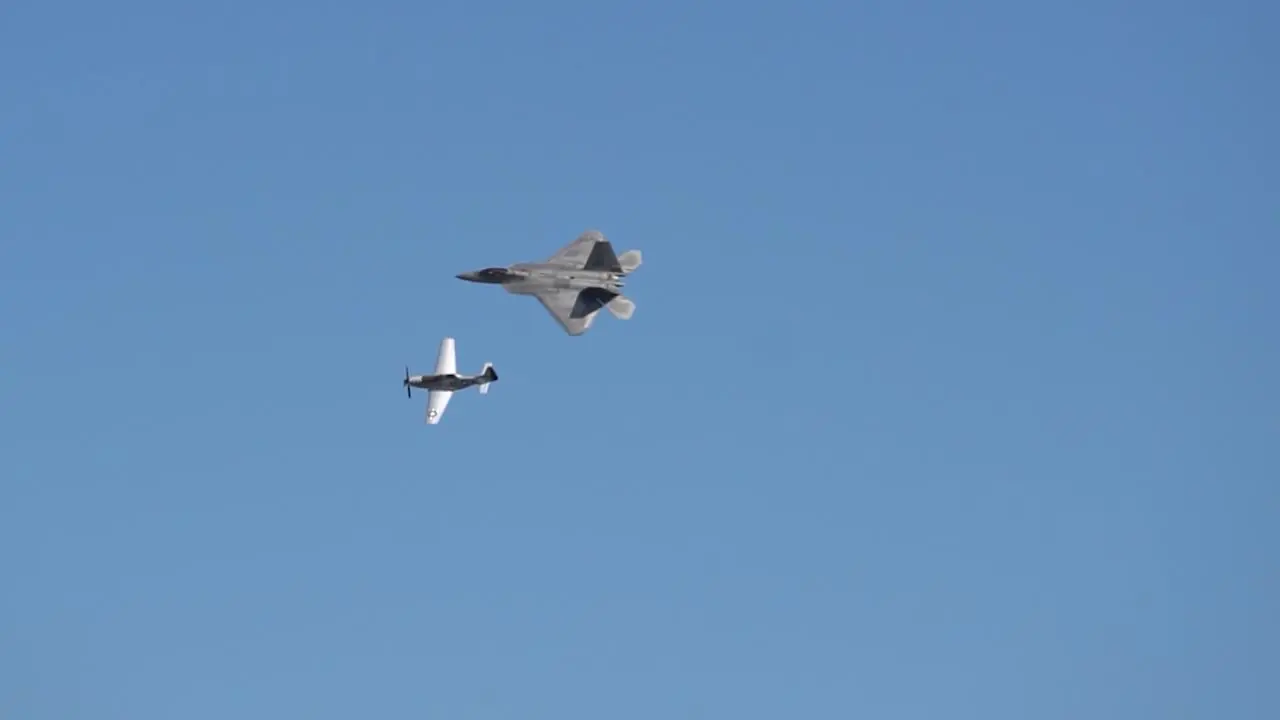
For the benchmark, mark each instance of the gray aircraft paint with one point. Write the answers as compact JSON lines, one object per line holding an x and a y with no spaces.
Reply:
{"x":445,"y":380}
{"x":452,"y":383}
{"x":581,"y":279}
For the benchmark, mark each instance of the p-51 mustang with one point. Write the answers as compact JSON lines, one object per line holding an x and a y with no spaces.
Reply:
{"x":574,"y":284}
{"x":445,"y":381}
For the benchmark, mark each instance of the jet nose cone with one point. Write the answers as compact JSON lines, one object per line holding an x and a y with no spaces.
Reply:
{"x":466,"y":276}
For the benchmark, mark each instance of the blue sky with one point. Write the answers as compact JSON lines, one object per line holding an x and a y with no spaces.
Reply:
{"x":950,"y":391}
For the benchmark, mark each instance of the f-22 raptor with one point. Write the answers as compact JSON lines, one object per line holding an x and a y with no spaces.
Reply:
{"x":582,"y":278}
{"x":445,"y":381}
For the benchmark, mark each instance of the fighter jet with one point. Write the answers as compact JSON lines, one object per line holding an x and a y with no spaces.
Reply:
{"x":574,"y":284}
{"x":445,"y":381}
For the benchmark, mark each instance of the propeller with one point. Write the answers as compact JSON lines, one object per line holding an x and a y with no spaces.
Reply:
{"x":408,"y":390}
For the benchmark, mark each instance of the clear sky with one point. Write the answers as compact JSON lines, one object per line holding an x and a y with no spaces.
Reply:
{"x":950,"y":393}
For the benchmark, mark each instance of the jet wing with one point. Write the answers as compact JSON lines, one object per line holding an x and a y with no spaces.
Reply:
{"x":446,"y":359}
{"x":590,"y":251}
{"x":437,"y":401}
{"x":573,"y":309}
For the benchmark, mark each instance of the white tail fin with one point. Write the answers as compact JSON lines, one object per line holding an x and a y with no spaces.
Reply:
{"x":490,"y":375}
{"x":622,"y":307}
{"x":629,"y":260}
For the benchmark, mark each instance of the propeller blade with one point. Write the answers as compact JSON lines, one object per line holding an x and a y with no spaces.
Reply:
{"x":408,"y":390}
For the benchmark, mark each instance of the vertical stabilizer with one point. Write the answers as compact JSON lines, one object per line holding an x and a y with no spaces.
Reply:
{"x":602,"y":258}
{"x":489,"y":375}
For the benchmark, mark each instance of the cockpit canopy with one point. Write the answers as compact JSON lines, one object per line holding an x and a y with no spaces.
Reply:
{"x":493,"y":276}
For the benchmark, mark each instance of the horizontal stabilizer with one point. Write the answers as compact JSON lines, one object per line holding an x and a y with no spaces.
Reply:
{"x":622,"y":307}
{"x":629,"y":260}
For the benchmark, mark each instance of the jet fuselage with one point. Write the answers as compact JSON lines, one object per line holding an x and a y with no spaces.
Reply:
{"x":532,"y":278}
{"x":576,"y":282}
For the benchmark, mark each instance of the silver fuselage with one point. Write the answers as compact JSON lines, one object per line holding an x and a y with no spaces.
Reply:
{"x":532,"y":278}
{"x":451,"y":383}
